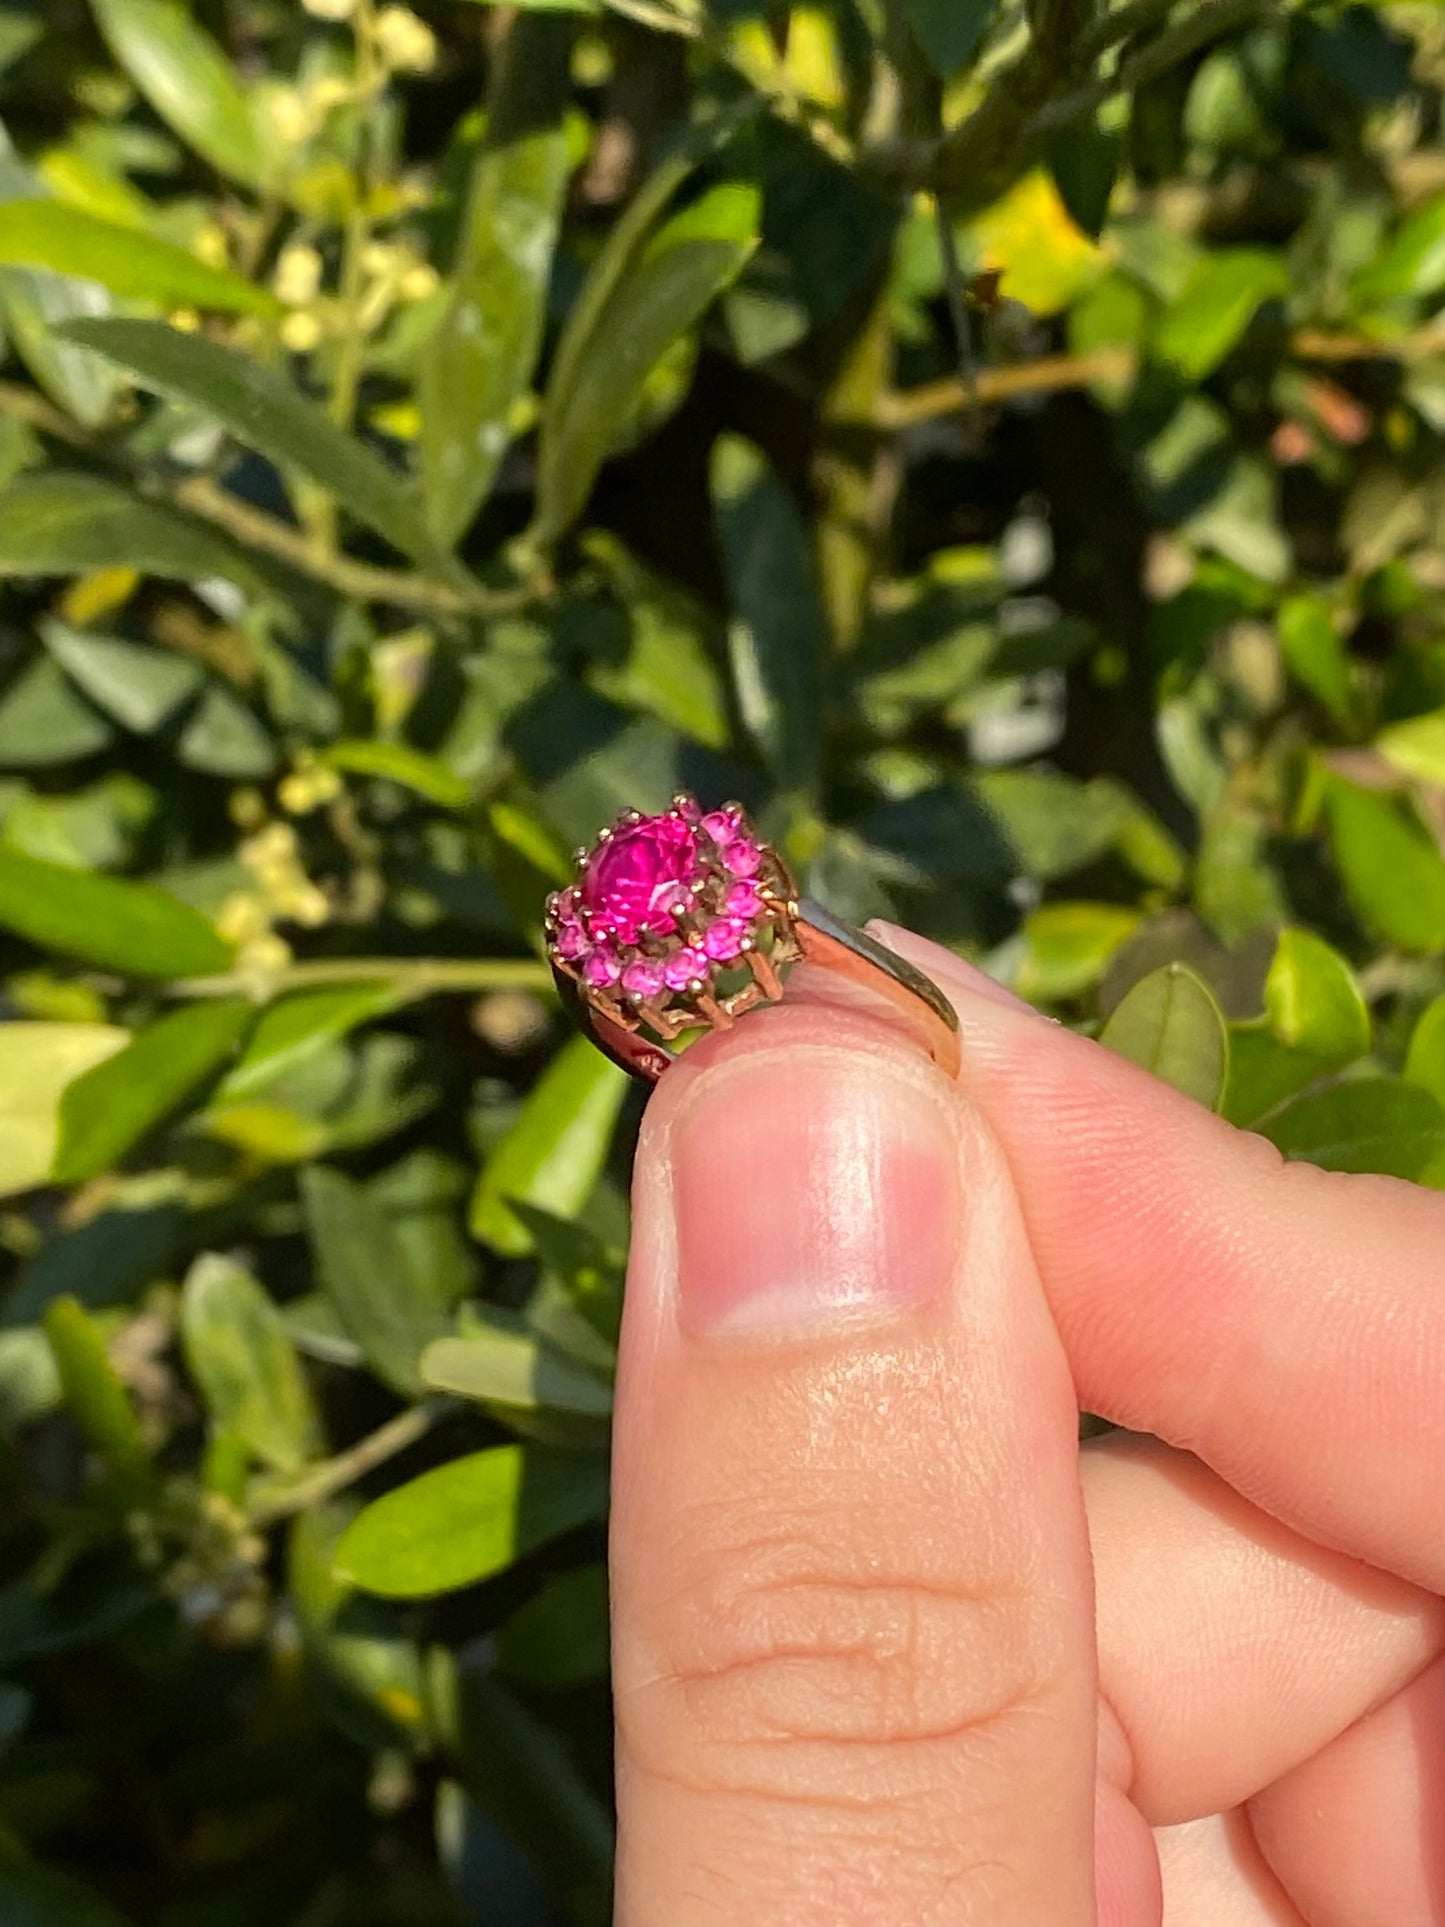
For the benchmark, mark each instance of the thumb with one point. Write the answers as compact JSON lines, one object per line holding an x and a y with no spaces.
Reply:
{"x":852,"y":1616}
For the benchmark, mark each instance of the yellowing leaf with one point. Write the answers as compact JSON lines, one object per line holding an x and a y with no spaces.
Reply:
{"x":1031,"y":239}
{"x":37,"y":1062}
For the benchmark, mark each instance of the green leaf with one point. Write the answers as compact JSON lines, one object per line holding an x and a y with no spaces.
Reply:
{"x":189,"y":82}
{"x":469,"y":1520}
{"x":480,"y":360}
{"x":1365,"y":1124}
{"x":1412,"y":262}
{"x":657,"y":297}
{"x":1392,"y":871}
{"x":43,"y":721}
{"x":264,"y":411}
{"x":89,"y":1384}
{"x":553,"y":1154}
{"x":560,"y":1637}
{"x":364,"y":1274}
{"x":60,"y":523}
{"x":370,"y":1676}
{"x":1417,"y":747}
{"x":778,"y":638}
{"x":224,"y":738}
{"x":129,"y":927}
{"x":399,"y":763}
{"x":1069,"y":946}
{"x":1315,"y":652}
{"x":111,"y":1108}
{"x":949,"y":32}
{"x":296,"y":1028}
{"x":240,"y":1353}
{"x":1170,"y":1024}
{"x":1312,"y":1000}
{"x":1425,"y":1058}
{"x":40,"y":1060}
{"x":68,"y":240}
{"x":140,"y":687}
{"x":1084,"y":161}
{"x":500,"y":1362}
{"x":34,"y":304}
{"x":1219,"y":301}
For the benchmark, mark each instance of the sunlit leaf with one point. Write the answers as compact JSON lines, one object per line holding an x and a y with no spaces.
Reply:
{"x":294,"y":1028}
{"x":120,"y":925}
{"x":63,"y":523}
{"x":263,"y":410}
{"x":111,"y":1108}
{"x":1219,"y":301}
{"x":189,"y":82}
{"x":365,"y":1276}
{"x":90,"y":1386}
{"x":468,"y":1520}
{"x":240,"y":1354}
{"x":553,"y":1154}
{"x":1170,"y":1024}
{"x":480,"y":360}
{"x":399,"y":763}
{"x":1391,"y":868}
{"x":40,"y":1060}
{"x":1365,"y":1124}
{"x":1425,"y":1059}
{"x":68,"y":240}
{"x":141,"y":687}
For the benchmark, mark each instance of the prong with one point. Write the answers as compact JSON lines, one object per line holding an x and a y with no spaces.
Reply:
{"x":717,"y":1014}
{"x":684,"y":800}
{"x":629,"y":817}
{"x":765,"y":974}
{"x":698,"y":885}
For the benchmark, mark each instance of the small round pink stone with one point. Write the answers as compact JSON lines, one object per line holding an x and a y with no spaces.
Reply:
{"x":684,"y":967}
{"x":742,"y":900}
{"x":601,"y":970}
{"x":742,"y":857}
{"x":644,"y":978}
{"x":633,"y":881}
{"x":723,"y":938}
{"x":571,"y":942}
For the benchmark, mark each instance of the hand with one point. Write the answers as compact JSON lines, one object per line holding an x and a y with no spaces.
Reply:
{"x":889,"y":1647}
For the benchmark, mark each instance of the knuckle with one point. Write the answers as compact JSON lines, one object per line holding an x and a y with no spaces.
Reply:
{"x":784,"y":1651}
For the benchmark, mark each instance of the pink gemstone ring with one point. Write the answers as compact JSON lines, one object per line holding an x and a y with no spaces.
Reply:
{"x":687,"y":920}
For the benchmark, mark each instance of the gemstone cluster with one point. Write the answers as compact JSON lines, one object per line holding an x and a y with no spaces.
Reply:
{"x":666,"y":906}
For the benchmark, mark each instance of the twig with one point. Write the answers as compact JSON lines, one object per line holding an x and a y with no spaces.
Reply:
{"x":324,"y":1481}
{"x":957,"y":306}
{"x":413,"y":976}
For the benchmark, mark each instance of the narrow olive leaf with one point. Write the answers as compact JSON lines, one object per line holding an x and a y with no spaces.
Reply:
{"x":778,"y":637}
{"x":1312,"y":1000}
{"x":469,"y":1520}
{"x":1365,"y":1124}
{"x":554,"y":1152}
{"x":560,"y":1637}
{"x":263,"y":410}
{"x":89,"y":1384}
{"x":480,"y":359}
{"x":364,"y":1274}
{"x":61,"y":523}
{"x":37,"y":1062}
{"x":949,"y":31}
{"x":120,"y":925}
{"x":1170,"y":1024}
{"x":34,"y":304}
{"x":111,"y":1108}
{"x":240,"y":1353}
{"x":141,"y":687}
{"x":1412,"y":261}
{"x":1390,"y":865}
{"x":663,"y":292}
{"x":399,"y":763}
{"x":44,"y":722}
{"x":501,"y":1362}
{"x":189,"y":82}
{"x":1416,"y":747}
{"x":68,"y":240}
{"x":293,"y":1029}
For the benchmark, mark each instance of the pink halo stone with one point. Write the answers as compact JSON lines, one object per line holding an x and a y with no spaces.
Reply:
{"x":721,"y":826}
{"x":601,"y":969}
{"x":644,"y":978}
{"x":633,"y":881}
{"x":742,"y":857}
{"x":684,"y":967}
{"x":742,"y":900}
{"x":723,"y":938}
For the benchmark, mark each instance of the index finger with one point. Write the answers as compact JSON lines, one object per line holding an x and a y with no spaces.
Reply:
{"x":1284,"y":1323}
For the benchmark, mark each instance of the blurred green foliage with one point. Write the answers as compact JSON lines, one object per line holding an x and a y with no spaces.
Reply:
{"x":1000,"y":441}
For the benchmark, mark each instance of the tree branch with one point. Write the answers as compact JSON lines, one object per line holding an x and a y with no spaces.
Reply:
{"x":415,"y":976}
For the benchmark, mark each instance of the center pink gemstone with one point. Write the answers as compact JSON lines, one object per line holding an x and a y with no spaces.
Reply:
{"x":633,"y":880}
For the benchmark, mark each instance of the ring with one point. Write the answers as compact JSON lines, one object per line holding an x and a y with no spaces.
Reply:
{"x":687,"y":920}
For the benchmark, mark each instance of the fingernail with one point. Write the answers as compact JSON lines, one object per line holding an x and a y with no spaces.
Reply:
{"x":813,"y":1185}
{"x":950,"y":971}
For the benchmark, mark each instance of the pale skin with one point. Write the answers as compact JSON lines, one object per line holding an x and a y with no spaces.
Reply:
{"x":890,"y":1648}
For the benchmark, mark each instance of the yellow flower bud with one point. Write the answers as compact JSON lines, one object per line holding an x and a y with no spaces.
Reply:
{"x":405,"y":43}
{"x":297,"y":279}
{"x":334,"y":10}
{"x":419,"y":282}
{"x":301,"y":332}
